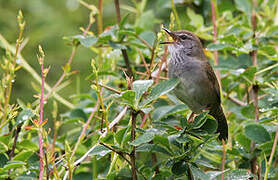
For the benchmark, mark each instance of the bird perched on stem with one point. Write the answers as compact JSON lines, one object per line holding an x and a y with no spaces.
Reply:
{"x":198,"y":87}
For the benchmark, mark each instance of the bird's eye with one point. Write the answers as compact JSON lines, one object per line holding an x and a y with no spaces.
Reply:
{"x":183,"y":37}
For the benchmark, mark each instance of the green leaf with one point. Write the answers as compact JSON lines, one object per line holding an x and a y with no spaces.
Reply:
{"x":3,"y":159}
{"x":78,"y":113}
{"x":24,"y":116}
{"x":238,"y":174}
{"x":250,"y":73}
{"x":179,"y":168}
{"x":3,"y":147}
{"x":161,"y":89}
{"x":152,"y":148}
{"x":88,"y":41}
{"x":127,"y":97}
{"x":200,"y":120}
{"x":164,"y":111}
{"x":108,"y":139}
{"x":244,"y":6}
{"x":144,"y":138}
{"x":196,"y":20}
{"x":243,"y":141}
{"x":120,"y":134}
{"x":28,"y":144}
{"x":100,"y":150}
{"x":162,"y":140}
{"x":115,"y":45}
{"x":140,"y":87}
{"x":209,"y":126}
{"x":23,"y":156}
{"x":219,"y":46}
{"x":198,"y":173}
{"x":13,"y":164}
{"x":182,"y":138}
{"x":123,"y":21}
{"x":257,"y":133}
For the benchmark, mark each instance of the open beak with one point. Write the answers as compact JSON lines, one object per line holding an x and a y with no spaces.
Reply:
{"x":170,"y":34}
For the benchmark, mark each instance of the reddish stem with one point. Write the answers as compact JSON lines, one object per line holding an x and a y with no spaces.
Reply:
{"x":213,"y":16}
{"x":41,"y":120}
{"x":223,"y":159}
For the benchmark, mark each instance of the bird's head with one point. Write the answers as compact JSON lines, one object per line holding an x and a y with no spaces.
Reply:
{"x":184,"y":42}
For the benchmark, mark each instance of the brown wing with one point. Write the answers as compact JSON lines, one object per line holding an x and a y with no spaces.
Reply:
{"x":212,"y":77}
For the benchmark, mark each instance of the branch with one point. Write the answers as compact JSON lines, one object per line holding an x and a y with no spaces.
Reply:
{"x":271,"y":155}
{"x":133,"y":155}
{"x":216,"y":61}
{"x":43,"y":73}
{"x":17,"y":131}
{"x":115,"y":121}
{"x":124,"y":52}
{"x":223,"y":159}
{"x":4,"y":44}
{"x":163,"y":61}
{"x":85,"y":126}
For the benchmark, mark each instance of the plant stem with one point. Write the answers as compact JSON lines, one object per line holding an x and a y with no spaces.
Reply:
{"x":268,"y":165}
{"x":85,"y":126}
{"x":4,"y":43}
{"x":73,"y":52}
{"x":41,"y":118}
{"x":18,"y":129}
{"x":12,"y":72}
{"x":100,"y":13}
{"x":223,"y":159}
{"x":124,"y":52}
{"x":132,"y":155}
{"x":163,"y":60}
{"x":255,"y":87}
{"x":175,"y":13}
{"x":216,"y":60}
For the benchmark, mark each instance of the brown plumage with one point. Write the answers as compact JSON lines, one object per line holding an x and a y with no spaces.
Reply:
{"x":199,"y":88}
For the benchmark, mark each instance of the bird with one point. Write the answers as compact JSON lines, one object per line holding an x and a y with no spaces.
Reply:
{"x":198,"y":88}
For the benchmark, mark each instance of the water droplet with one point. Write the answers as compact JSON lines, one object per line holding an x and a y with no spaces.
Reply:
{"x":25,"y":117}
{"x":18,"y":61}
{"x":44,"y":102}
{"x":13,"y":81}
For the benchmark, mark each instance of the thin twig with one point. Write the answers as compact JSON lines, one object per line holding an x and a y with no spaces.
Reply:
{"x":133,"y":155}
{"x":223,"y":159}
{"x":141,"y":73}
{"x":16,"y":133}
{"x":46,"y":166}
{"x":108,"y":88}
{"x":41,"y":59}
{"x":235,"y":100}
{"x":85,"y":126}
{"x":116,"y":151}
{"x":115,"y":121}
{"x":143,"y":120}
{"x":213,"y":16}
{"x":271,"y":155}
{"x":124,"y":52}
{"x":255,"y":87}
{"x":163,"y":60}
{"x":144,"y":42}
{"x":62,"y":77}
{"x":145,"y":63}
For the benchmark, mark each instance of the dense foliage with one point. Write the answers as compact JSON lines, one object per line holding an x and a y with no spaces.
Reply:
{"x":129,"y":123}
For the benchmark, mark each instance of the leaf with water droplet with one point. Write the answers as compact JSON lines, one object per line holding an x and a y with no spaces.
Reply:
{"x":24,"y":116}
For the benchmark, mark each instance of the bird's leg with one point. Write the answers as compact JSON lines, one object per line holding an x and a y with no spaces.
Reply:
{"x":191,"y":117}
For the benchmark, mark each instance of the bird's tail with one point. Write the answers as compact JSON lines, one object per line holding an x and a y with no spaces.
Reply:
{"x":217,"y":113}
